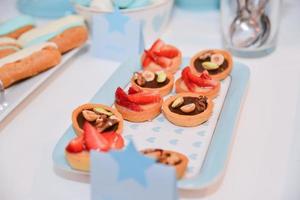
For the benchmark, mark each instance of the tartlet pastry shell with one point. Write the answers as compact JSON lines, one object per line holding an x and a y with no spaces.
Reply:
{"x":163,"y":91}
{"x":186,"y":120}
{"x":176,"y":62}
{"x":219,"y":76}
{"x":212,"y":93}
{"x":78,"y":110}
{"x":150,"y":111}
{"x":79,"y":161}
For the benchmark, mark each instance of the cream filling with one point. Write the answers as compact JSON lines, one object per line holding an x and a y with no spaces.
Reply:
{"x":7,"y":40}
{"x":25,"y":53}
{"x":9,"y":47}
{"x":51,"y":29}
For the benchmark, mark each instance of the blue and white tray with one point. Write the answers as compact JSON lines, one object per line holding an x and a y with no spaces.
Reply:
{"x":207,"y":146}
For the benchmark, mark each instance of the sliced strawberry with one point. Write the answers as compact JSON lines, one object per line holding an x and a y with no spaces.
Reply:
{"x":148,"y":58}
{"x":114,"y":139}
{"x":168,"y":52}
{"x":130,"y":105}
{"x":186,"y":80}
{"x":204,"y":80}
{"x":94,"y":140}
{"x":123,"y":100}
{"x":163,"y":62}
{"x":76,"y":145}
{"x":144,"y":99}
{"x":205,"y":75}
{"x":121,"y":95}
{"x":134,"y":90}
{"x":157,"y":45}
{"x":207,"y":83}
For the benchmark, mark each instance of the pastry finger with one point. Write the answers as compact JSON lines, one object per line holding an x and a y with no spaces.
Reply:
{"x":28,"y":62}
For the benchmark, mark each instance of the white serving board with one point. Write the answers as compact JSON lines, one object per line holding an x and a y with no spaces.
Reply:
{"x":190,"y":141}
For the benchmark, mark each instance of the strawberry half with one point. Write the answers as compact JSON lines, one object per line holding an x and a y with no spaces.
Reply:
{"x":186,"y":80}
{"x":149,"y":57}
{"x":114,"y":139}
{"x":134,"y":90}
{"x":204,"y":80}
{"x":76,"y":145}
{"x":163,"y":62}
{"x":121,"y":95}
{"x":123,"y":100}
{"x":167,"y":51}
{"x":94,"y":140}
{"x":157,"y":45}
{"x":144,"y":99}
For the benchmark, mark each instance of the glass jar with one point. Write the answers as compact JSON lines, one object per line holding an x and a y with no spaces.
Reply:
{"x":250,"y":27}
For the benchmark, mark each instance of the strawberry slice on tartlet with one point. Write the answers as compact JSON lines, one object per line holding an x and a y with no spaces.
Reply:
{"x":201,"y":84}
{"x":137,"y":105}
{"x":77,"y":151}
{"x":161,"y":56}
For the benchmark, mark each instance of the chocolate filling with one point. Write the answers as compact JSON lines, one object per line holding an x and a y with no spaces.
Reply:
{"x":163,"y":157}
{"x":154,"y":83}
{"x":81,"y":120}
{"x":200,"y":103}
{"x":198,"y":66}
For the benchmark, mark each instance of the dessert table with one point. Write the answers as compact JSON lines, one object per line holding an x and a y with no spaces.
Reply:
{"x":264,"y":162}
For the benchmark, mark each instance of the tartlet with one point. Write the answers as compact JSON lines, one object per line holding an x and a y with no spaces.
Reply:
{"x":154,"y":82}
{"x":77,"y":152}
{"x":161,"y":56}
{"x":101,"y":116}
{"x":170,"y":158}
{"x":187,"y":109}
{"x":201,"y":84}
{"x":217,"y":62}
{"x":137,"y":106}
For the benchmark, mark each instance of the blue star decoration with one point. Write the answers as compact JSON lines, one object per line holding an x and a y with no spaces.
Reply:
{"x":132,"y":164}
{"x":117,"y":21}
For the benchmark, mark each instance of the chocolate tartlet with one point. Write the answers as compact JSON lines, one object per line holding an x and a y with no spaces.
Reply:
{"x":170,"y":158}
{"x":218,"y":63}
{"x":102,"y":117}
{"x":187,"y":109}
{"x":154,"y":82}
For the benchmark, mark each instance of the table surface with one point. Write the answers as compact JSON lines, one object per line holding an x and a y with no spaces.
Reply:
{"x":265,"y":159}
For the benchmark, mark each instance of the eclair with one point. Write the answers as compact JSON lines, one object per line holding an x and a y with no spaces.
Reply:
{"x":161,"y":56}
{"x":77,"y":152}
{"x":201,"y":84}
{"x":8,"y":46}
{"x":217,"y":62}
{"x":17,"y":26}
{"x":102,"y":117}
{"x":187,"y":109}
{"x":170,"y":158}
{"x":137,"y":106}
{"x":67,"y":33}
{"x":28,"y":62}
{"x":159,"y":82}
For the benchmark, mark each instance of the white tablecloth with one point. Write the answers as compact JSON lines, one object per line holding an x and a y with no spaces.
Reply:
{"x":264,"y":163}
